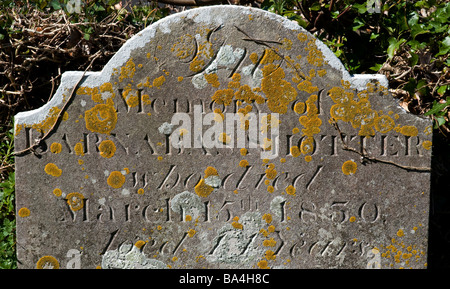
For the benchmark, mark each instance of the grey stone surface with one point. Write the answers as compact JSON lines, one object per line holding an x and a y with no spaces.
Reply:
{"x":138,"y":174}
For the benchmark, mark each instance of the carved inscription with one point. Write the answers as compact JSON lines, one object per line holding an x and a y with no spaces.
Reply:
{"x":209,"y":142}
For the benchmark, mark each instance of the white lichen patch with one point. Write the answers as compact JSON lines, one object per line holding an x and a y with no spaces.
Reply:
{"x":187,"y":203}
{"x":237,"y":245}
{"x":128,"y":256}
{"x":165,"y":128}
{"x":213,"y":181}
{"x":276,"y":206}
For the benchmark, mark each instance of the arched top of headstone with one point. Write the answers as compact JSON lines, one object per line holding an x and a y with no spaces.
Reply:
{"x":222,"y":137}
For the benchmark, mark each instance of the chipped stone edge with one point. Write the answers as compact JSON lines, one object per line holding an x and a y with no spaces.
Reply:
{"x":222,"y":15}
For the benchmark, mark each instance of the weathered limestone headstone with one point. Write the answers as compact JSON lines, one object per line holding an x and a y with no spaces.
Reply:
{"x":320,"y":169}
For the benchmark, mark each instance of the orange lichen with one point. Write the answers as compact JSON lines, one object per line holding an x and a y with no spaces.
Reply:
{"x":24,"y":212}
{"x":75,"y":201}
{"x":223,"y":96}
{"x":56,"y":147}
{"x":202,"y":189}
{"x":107,"y":148}
{"x":102,"y":118}
{"x":79,"y":151}
{"x":236,"y":224}
{"x":269,"y":243}
{"x":254,"y":57}
{"x":243,"y":151}
{"x":243,"y":163}
{"x":140,"y":191}
{"x":270,"y":255}
{"x":191,"y":233}
{"x":57,"y":192}
{"x":184,"y":47}
{"x":408,"y":130}
{"x":47,"y":262}
{"x":159,"y":81}
{"x":210,"y":171}
{"x":270,"y":189}
{"x":400,"y":233}
{"x":139,"y":244}
{"x":279,"y":92}
{"x":427,"y":145}
{"x":267,"y":218}
{"x":263,"y":264}
{"x":295,"y":151}
{"x":349,"y":167}
{"x":128,"y":70}
{"x":224,"y":138}
{"x":271,"y":173}
{"x":116,"y":179}
{"x":299,"y":107}
{"x":53,"y":170}
{"x":315,"y":56}
{"x":212,"y":79}
{"x":290,"y":190}
{"x":246,"y":94}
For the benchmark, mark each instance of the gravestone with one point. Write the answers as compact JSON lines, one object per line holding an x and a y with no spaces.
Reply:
{"x":222,"y":137}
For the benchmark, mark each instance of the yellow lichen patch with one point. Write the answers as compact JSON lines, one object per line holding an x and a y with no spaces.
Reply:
{"x":400,"y":233}
{"x":56,"y":147}
{"x":140,"y":191}
{"x":202,"y":189}
{"x":210,"y":171}
{"x":384,"y":124}
{"x":279,"y":92}
{"x":75,"y":201}
{"x":218,"y":115}
{"x":243,"y":151}
{"x":224,"y":138}
{"x":299,"y":107}
{"x":427,"y":145}
{"x":352,"y":219}
{"x":159,"y":81}
{"x":290,"y":190}
{"x":188,"y":218}
{"x":102,"y":118}
{"x":246,"y":94}
{"x":295,"y":151}
{"x":139,"y":244}
{"x":184,"y":47}
{"x":223,"y":96}
{"x":212,"y":79}
{"x":263,"y":264}
{"x":243,"y":163}
{"x":24,"y":212}
{"x":349,"y":167}
{"x":408,"y":130}
{"x":107,"y":148}
{"x":191,"y":233}
{"x":131,"y":96}
{"x":307,"y":86}
{"x":53,"y":170}
{"x":45,"y":125}
{"x":358,"y":112}
{"x":254,"y":57}
{"x":180,"y":78}
{"x":128,"y":70}
{"x":236,"y":224}
{"x":311,"y":123}
{"x":79,"y":151}
{"x":271,"y":173}
{"x":302,"y":37}
{"x":267,"y":218}
{"x":47,"y":262}
{"x":269,"y":243}
{"x":116,"y":179}
{"x":315,"y":56}
{"x":270,"y":255}
{"x":57,"y":192}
